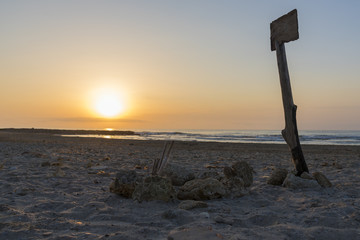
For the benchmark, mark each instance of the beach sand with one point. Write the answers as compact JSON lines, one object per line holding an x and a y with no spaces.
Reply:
{"x":56,"y":187}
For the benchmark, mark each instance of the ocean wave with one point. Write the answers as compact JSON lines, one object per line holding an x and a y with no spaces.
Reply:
{"x":242,"y":136}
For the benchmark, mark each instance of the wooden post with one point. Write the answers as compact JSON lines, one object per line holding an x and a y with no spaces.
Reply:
{"x":285,"y":29}
{"x":290,"y":133}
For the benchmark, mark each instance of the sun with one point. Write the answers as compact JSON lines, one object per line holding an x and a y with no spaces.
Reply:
{"x":108,"y":104}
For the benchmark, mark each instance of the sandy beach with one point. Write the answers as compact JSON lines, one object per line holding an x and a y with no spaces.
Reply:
{"x":55,"y":187}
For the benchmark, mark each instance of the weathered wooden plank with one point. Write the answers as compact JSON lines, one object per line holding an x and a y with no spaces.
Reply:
{"x":284,"y":29}
{"x":290,"y":133}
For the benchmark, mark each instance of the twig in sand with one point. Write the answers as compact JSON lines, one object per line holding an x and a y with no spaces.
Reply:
{"x":159,"y":164}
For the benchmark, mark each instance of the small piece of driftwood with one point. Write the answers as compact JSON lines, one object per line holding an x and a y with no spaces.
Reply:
{"x":159,"y":164}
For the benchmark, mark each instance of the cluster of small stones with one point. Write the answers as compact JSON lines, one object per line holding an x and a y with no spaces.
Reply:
{"x":281,"y":177}
{"x":179,"y":182}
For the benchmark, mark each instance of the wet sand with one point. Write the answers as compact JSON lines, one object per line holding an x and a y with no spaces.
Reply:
{"x":56,"y":187}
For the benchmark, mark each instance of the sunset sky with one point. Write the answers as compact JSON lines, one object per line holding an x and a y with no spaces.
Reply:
{"x":190,"y":64}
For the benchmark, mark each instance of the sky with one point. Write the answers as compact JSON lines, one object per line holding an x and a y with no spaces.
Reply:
{"x":203,"y":64}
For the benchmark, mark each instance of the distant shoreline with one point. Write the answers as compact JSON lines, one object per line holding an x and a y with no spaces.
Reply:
{"x":339,"y":138}
{"x":67,"y":132}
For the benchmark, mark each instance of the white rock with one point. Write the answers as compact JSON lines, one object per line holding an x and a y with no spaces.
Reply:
{"x":294,"y":182}
{"x":204,"y":215}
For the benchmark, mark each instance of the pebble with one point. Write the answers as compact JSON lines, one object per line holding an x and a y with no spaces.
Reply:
{"x":204,"y":215}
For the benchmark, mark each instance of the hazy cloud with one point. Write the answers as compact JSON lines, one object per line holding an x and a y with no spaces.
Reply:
{"x":96,"y":120}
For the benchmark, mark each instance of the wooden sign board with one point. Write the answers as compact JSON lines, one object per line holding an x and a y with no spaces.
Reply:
{"x":284,"y":29}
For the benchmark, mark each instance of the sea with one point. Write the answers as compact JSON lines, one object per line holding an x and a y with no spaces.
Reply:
{"x":239,"y":136}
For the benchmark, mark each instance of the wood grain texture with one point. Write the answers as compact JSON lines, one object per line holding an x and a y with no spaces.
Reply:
{"x":290,"y":133}
{"x":284,"y":29}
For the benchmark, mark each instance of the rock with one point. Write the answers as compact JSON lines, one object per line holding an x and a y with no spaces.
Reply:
{"x":294,"y":182}
{"x":228,"y":172}
{"x":194,"y":233}
{"x":124,"y":183}
{"x":177,"y":173}
{"x":243,"y":170}
{"x":220,"y":219}
{"x":204,"y":215}
{"x":277,"y":177}
{"x":235,"y":186}
{"x":211,"y":174}
{"x":306,"y":175}
{"x":322,"y":180}
{"x":127,"y":176}
{"x":202,"y":189}
{"x":190,"y":204}
{"x":237,"y":178}
{"x":154,"y":188}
